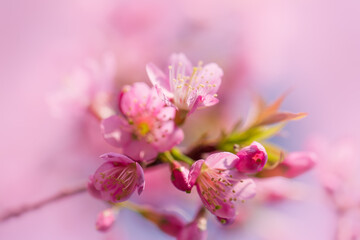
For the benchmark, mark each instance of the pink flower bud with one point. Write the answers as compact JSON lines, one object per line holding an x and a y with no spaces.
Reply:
{"x":252,"y":158}
{"x":168,"y":222}
{"x":105,"y":220}
{"x":295,"y":164}
{"x":195,"y":230}
{"x":180,"y":177}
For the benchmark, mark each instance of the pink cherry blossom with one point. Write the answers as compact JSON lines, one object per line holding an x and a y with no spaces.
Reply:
{"x":145,"y":125}
{"x":252,"y":158}
{"x":105,"y":220}
{"x":184,"y":86}
{"x":118,"y":177}
{"x":220,"y":186}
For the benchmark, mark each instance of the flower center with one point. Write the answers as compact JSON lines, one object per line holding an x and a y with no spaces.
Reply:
{"x":143,"y":128}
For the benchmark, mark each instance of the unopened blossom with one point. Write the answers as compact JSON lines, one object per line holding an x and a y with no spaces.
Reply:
{"x":294,"y":164}
{"x":252,"y":158}
{"x":219,"y":184}
{"x":195,"y":230}
{"x":185,"y":86}
{"x":105,"y":220}
{"x":180,"y":177}
{"x":144,"y":126}
{"x":168,"y":222}
{"x":118,"y":177}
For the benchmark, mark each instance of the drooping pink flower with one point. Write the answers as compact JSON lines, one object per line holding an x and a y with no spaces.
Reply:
{"x":105,"y":220}
{"x":196,"y":230}
{"x":184,"y":86}
{"x":145,"y":126}
{"x":118,"y":177}
{"x":220,"y":186}
{"x":252,"y":158}
{"x":294,"y":164}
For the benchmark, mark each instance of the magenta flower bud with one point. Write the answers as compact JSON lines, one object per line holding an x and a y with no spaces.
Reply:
{"x":180,"y":177}
{"x":118,"y":178}
{"x":195,"y":230}
{"x":252,"y":158}
{"x":105,"y":220}
{"x":294,"y":164}
{"x":220,"y":186}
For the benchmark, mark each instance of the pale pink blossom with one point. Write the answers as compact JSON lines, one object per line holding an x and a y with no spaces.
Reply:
{"x":105,"y":220}
{"x":184,"y":86}
{"x":144,"y":126}
{"x":252,"y":158}
{"x":220,"y":186}
{"x":118,"y":178}
{"x":86,"y":87}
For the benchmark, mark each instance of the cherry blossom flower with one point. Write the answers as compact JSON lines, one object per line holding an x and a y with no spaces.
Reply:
{"x":220,"y":186}
{"x":118,"y":177}
{"x":145,"y":125}
{"x":186,"y":87}
{"x":252,"y":158}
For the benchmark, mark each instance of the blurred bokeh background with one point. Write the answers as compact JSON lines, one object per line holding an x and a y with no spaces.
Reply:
{"x":265,"y":47}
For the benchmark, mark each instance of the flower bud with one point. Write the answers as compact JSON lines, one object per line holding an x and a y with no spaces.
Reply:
{"x":169,"y":223}
{"x":252,"y":158}
{"x":195,"y":230}
{"x":105,"y":220}
{"x":294,"y":164}
{"x":180,"y":177}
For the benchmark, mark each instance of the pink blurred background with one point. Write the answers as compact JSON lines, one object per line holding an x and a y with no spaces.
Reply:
{"x":309,"y":46}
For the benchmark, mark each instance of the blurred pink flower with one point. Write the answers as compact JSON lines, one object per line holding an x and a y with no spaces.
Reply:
{"x":186,"y":87}
{"x":105,"y":220}
{"x":220,"y":185}
{"x":145,"y":126}
{"x":294,"y":164}
{"x":86,"y":85}
{"x":118,"y":177}
{"x":252,"y":158}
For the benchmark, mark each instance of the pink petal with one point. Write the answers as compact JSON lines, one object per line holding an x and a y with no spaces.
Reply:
{"x":141,"y":151}
{"x":134,"y":98}
{"x":180,"y":63}
{"x":141,"y":179}
{"x":222,"y":160}
{"x":115,"y":130}
{"x":116,"y":157}
{"x":157,"y":77}
{"x":195,"y":171}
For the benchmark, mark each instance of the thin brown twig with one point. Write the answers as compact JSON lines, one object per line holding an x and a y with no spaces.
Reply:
{"x":18,"y":211}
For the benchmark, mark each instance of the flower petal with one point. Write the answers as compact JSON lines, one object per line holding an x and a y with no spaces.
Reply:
{"x":222,"y":160}
{"x":156,"y":76}
{"x":115,"y":131}
{"x":195,"y":171}
{"x":141,"y":151}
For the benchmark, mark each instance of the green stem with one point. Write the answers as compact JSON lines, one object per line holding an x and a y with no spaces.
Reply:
{"x":179,"y":156}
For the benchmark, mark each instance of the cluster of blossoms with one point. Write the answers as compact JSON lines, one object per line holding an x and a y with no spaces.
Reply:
{"x":146,"y":128}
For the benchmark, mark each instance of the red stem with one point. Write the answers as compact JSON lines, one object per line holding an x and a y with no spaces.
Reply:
{"x":16,"y":212}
